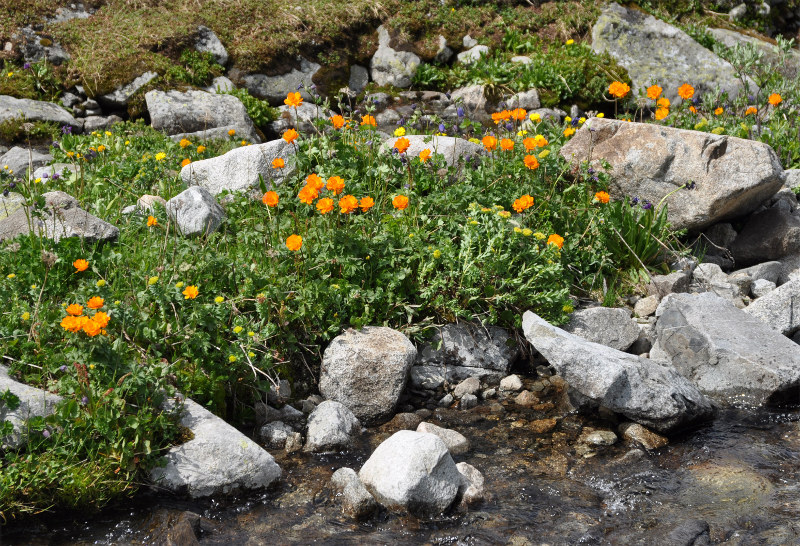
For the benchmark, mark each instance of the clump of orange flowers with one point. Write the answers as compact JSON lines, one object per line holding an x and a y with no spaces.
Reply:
{"x":531,"y":162}
{"x":337,"y":121}
{"x":751,"y":110}
{"x":523,"y":203}
{"x":325,"y":205}
{"x":602,"y":197}
{"x":653,"y":92}
{"x":294,"y":243}
{"x":190,"y":292}
{"x":278,"y":163}
{"x":348,"y":204}
{"x":489,"y":142}
{"x":152,"y":221}
{"x":368,"y":120}
{"x":402,"y":144}
{"x":270,"y":199}
{"x":424,"y":155}
{"x":76,"y":321}
{"x":506,"y":144}
{"x":619,"y":89}
{"x":366,"y":203}
{"x":335,"y":185}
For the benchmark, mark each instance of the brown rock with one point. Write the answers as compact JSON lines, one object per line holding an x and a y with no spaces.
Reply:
{"x":526,"y":399}
{"x":542,"y":426}
{"x":634,"y":432}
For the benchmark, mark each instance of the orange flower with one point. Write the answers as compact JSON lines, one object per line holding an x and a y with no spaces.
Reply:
{"x":73,"y":324}
{"x":338,"y":121}
{"x":325,"y":205}
{"x":424,"y":155}
{"x":523,"y":203}
{"x":366,"y":203}
{"x":775,"y":99}
{"x":506,"y":144}
{"x":497,"y":117}
{"x":293,"y":99}
{"x":270,"y":199}
{"x":719,"y":111}
{"x":184,"y":143}
{"x":101,"y":319}
{"x":400,"y":202}
{"x":402,"y":144}
{"x":231,"y":132}
{"x":693,"y":110}
{"x":81,"y":265}
{"x":290,"y":135}
{"x":653,"y":92}
{"x":531,"y":162}
{"x":190,"y":292}
{"x":201,"y":149}
{"x":663,"y":102}
{"x":529,"y":143}
{"x":152,"y":221}
{"x":489,"y":142}
{"x":278,"y":163}
{"x":315,"y":181}
{"x":619,"y":89}
{"x":751,"y":110}
{"x":368,"y":120}
{"x":75,"y":309}
{"x":348,"y":204}
{"x":569,"y":131}
{"x":95,"y":302}
{"x":686,"y":91}
{"x":185,"y":162}
{"x":602,"y":197}
{"x":308,"y":194}
{"x":661,"y":113}
{"x":335,"y":185}
{"x":555,"y":239}
{"x":91,"y":328}
{"x":519,"y":114}
{"x":294,"y":243}
{"x":540,"y":141}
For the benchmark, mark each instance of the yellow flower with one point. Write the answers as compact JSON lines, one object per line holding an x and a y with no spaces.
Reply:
{"x":101,"y":148}
{"x":539,"y":235}
{"x":11,"y":275}
{"x":601,"y":115}
{"x":201,"y":149}
{"x":544,"y":153}
{"x":568,"y":309}
{"x":400,"y":131}
{"x":517,"y":229}
{"x":37,"y":180}
{"x":91,"y":366}
{"x":184,"y":143}
{"x":152,"y":280}
{"x":437,"y":254}
{"x":251,"y":354}
{"x":237,"y":329}
{"x":127,"y":143}
{"x":219,"y":299}
{"x":160,"y":156}
{"x":569,"y":131}
{"x":178,"y":285}
{"x":718,"y":130}
{"x":567,"y":119}
{"x":504,"y":214}
{"x":570,"y":41}
{"x":26,"y":316}
{"x":474,"y":140}
{"x":527,"y":232}
{"x":100,"y":283}
{"x":251,"y":333}
{"x":108,"y":133}
{"x":582,"y":120}
{"x":535,"y":117}
{"x":232,"y":358}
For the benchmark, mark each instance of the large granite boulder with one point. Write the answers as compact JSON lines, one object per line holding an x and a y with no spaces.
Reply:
{"x":610,"y":327}
{"x":34,"y":110}
{"x":471,"y":345}
{"x":20,"y":159}
{"x":217,"y":460}
{"x":649,"y":392}
{"x":728,"y":353}
{"x":208,"y":42}
{"x":391,"y":67}
{"x":275,"y":88}
{"x":453,"y":149}
{"x":655,"y":52}
{"x":195,"y":212}
{"x":366,"y":370}
{"x":33,"y":403}
{"x":732,"y":175}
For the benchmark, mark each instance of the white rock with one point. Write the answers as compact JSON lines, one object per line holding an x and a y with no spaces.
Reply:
{"x":331,"y":426}
{"x":456,"y":443}
{"x":195,"y":212}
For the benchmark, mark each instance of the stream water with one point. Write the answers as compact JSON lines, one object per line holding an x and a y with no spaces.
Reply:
{"x":740,"y":474}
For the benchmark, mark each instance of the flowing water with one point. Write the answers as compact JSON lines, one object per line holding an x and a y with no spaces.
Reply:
{"x":740,"y":474}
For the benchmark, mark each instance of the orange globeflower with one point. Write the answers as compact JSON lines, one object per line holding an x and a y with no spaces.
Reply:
{"x":506,"y":144}
{"x":81,"y":265}
{"x":529,"y":143}
{"x":366,"y":203}
{"x":152,"y":221}
{"x":686,"y":91}
{"x":95,"y":302}
{"x":294,"y":243}
{"x":270,"y":199}
{"x":619,"y":89}
{"x":400,"y":202}
{"x":201,"y":149}
{"x":569,"y":131}
{"x":338,"y":121}
{"x":497,"y":117}
{"x":335,"y":185}
{"x":661,"y":113}
{"x":278,"y":163}
{"x":73,"y":324}
{"x":602,"y":197}
{"x":775,"y":99}
{"x":101,"y":319}
{"x":348,"y":204}
{"x":653,"y":92}
{"x":231,"y":132}
{"x":519,"y":114}
{"x":718,"y":111}
{"x":693,"y":110}
{"x":489,"y":142}
{"x":315,"y":181}
{"x":185,"y":162}
{"x":190,"y":292}
{"x":751,"y":110}
{"x":424,"y":155}
{"x":308,"y":194}
{"x":325,"y":205}
{"x":555,"y":239}
{"x":74,"y":309}
{"x":293,"y":99}
{"x":402,"y":144}
{"x":368,"y":120}
{"x":531,"y":162}
{"x":91,"y":328}
{"x":290,"y":135}
{"x":663,"y":102}
{"x":523,"y":203}
{"x":540,"y":141}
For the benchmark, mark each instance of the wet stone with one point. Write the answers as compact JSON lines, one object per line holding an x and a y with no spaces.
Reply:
{"x":526,"y":399}
{"x":542,"y":426}
{"x":468,"y":401}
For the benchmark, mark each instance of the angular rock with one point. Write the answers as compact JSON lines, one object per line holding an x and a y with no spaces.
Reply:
{"x":20,"y":159}
{"x":366,"y":370}
{"x":62,"y":217}
{"x":599,"y":438}
{"x":359,"y":78}
{"x":402,"y":421}
{"x":472,"y":55}
{"x":761,"y":287}
{"x":654,"y":51}
{"x":646,"y":306}
{"x":331,"y":426}
{"x":34,"y":50}
{"x":611,"y":327}
{"x":444,"y":53}
{"x":529,"y":100}
{"x":779,"y":308}
{"x":471,"y":385}
{"x":792,"y":178}
{"x":100,"y":123}
{"x":34,"y":110}
{"x":433,"y":377}
{"x":526,"y":399}
{"x":708,"y":277}
{"x":471,"y":345}
{"x":452,"y":148}
{"x":208,"y":42}
{"x":147,"y":203}
{"x":391,"y":67}
{"x":728,"y":353}
{"x":468,"y":401}
{"x":33,"y":403}
{"x":220,"y":84}
{"x":732,"y":175}
{"x":645,"y":391}
{"x":118,"y":99}
{"x":195,"y":212}
{"x":472,"y":488}
{"x":768,"y":235}
{"x":456,"y":443}
{"x":521,"y":59}
{"x":356,"y":500}
{"x":275,"y":88}
{"x":473,"y":100}
{"x":634,"y":432}
{"x":217,"y":460}
{"x":240,"y":168}
{"x":275,"y":434}
{"x":414,"y":472}
{"x":175,"y":112}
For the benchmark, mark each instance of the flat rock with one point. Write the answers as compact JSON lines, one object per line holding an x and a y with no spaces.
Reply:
{"x":217,"y":460}
{"x":356,"y":500}
{"x":732,"y":175}
{"x":11,"y":203}
{"x":473,"y":99}
{"x":456,"y":442}
{"x":611,"y":327}
{"x":33,"y":403}
{"x":470,"y":385}
{"x":470,"y":345}
{"x":661,"y":285}
{"x":100,"y":123}
{"x":728,"y":353}
{"x":118,"y":99}
{"x":529,"y":100}
{"x":452,"y":149}
{"x":195,"y":212}
{"x":776,"y":308}
{"x":275,"y":88}
{"x":768,"y":271}
{"x":646,"y":391}
{"x":761,"y":287}
{"x":331,"y":426}
{"x":35,"y":110}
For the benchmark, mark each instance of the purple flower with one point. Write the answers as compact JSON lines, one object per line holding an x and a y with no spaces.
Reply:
{"x":502,"y":105}
{"x":590,"y":171}
{"x":26,"y":66}
{"x":575,"y":122}
{"x":647,"y":205}
{"x":369,"y":143}
{"x":460,"y":112}
{"x":46,"y":433}
{"x":55,"y":145}
{"x":66,"y":129}
{"x":84,"y":400}
{"x":401,"y":121}
{"x":509,"y":126}
{"x":45,"y":175}
{"x":56,"y":176}
{"x":63,"y":368}
{"x":5,"y":192}
{"x":441,"y":128}
{"x":414,"y":106}
{"x":634,"y":201}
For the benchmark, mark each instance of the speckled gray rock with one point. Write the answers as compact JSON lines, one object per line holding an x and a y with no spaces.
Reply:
{"x":611,"y":327}
{"x":220,"y":84}
{"x":118,"y":99}
{"x":472,"y":488}
{"x":645,"y":391}
{"x":529,"y":100}
{"x":768,"y":235}
{"x":33,"y":49}
{"x":471,"y":345}
{"x":471,"y":385}
{"x":468,"y":401}
{"x":646,"y":306}
{"x":473,"y":100}
{"x":414,"y":472}
{"x":275,"y":434}
{"x":709,"y":277}
{"x":11,"y":203}
{"x":176,"y":112}
{"x":728,"y":353}
{"x":100,"y":123}
{"x":240,"y":168}
{"x":779,"y":308}
{"x":33,"y":403}
{"x":208,"y":42}
{"x":195,"y":212}
{"x":761,"y":287}
{"x":444,"y":53}
{"x":359,"y":78}
{"x":456,"y":442}
{"x":21,"y":159}
{"x":453,"y":149}
{"x":356,"y":500}
{"x":217,"y":460}
{"x":391,"y":67}
{"x":732,"y":175}
{"x":34,"y":110}
{"x":331,"y":427}
{"x":433,"y":377}
{"x":472,"y":55}
{"x":366,"y":370}
{"x":768,"y":271}
{"x":275,"y":88}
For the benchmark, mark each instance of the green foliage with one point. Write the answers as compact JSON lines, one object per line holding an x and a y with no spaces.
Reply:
{"x":259,"y":110}
{"x":38,"y":82}
{"x":19,"y":130}
{"x":195,"y":68}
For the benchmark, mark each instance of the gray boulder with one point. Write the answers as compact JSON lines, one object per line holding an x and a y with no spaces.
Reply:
{"x":100,"y":123}
{"x":443,"y":53}
{"x":610,"y":327}
{"x":48,"y":171}
{"x":529,"y":100}
{"x":33,"y":402}
{"x":275,"y":434}
{"x":768,"y":235}
{"x":471,"y":345}
{"x":412,"y":472}
{"x":472,"y":55}
{"x":331,"y":426}
{"x":456,"y":443}
{"x":62,"y":217}
{"x":433,"y":377}
{"x":208,"y":42}
{"x":708,"y":277}
{"x":473,"y":99}
{"x":768,"y":271}
{"x":191,"y":111}
{"x":275,"y":88}
{"x":726,"y":352}
{"x":20,"y":159}
{"x":653,"y":51}
{"x":118,"y":99}
{"x":511,"y":383}
{"x":359,"y":78}
{"x":761,"y":287}
{"x":195,"y":212}
{"x":356,"y":500}
{"x":216,"y":133}
{"x":33,"y":48}
{"x":471,"y":385}
{"x":792,"y":178}
{"x":240,"y":168}
{"x":11,"y":203}
{"x":391,"y":67}
{"x":453,"y":149}
{"x":366,"y":370}
{"x":220,"y":84}
{"x":776,"y":308}
{"x":646,"y":391}
{"x":732,"y":175}
{"x":301,"y":118}
{"x":217,"y":460}
{"x":34,"y":110}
